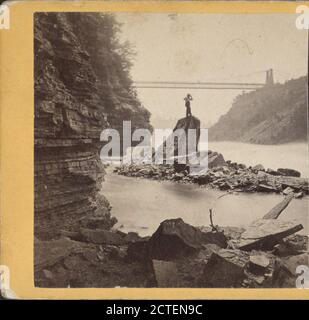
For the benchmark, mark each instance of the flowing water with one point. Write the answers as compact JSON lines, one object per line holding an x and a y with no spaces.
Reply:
{"x":140,"y":204}
{"x":290,"y":155}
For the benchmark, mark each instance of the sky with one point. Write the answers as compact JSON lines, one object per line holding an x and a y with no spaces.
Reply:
{"x":209,"y":47}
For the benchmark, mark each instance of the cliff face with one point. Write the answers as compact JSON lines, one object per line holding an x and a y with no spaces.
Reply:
{"x":78,"y":93}
{"x":271,"y":115}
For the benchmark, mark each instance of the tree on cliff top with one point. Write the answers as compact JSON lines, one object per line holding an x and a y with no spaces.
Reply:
{"x":111,"y":61}
{"x":270,"y":115}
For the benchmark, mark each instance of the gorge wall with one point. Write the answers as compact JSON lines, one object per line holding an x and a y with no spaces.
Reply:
{"x":82,"y":86}
{"x":270,"y":115}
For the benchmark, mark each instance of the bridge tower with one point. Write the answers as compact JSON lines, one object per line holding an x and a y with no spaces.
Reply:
{"x":269,"y":77}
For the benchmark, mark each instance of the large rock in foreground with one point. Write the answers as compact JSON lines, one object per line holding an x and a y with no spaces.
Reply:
{"x":175,"y":238}
{"x":166,"y":274}
{"x":48,"y":253}
{"x":288,"y":275}
{"x":225,"y":269}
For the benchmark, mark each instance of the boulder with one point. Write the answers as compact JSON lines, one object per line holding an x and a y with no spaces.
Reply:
{"x":196,"y":170}
{"x":144,"y":172}
{"x":283,"y":250}
{"x":225,"y":269}
{"x":233,"y":165}
{"x":139,"y":250}
{"x":298,"y":195}
{"x":178,"y":176}
{"x":131,"y":237}
{"x":90,"y":254}
{"x":225,"y":186}
{"x":287,"y":191}
{"x":180,"y":167}
{"x":174,"y":238}
{"x":215,"y":160}
{"x":173,"y":147}
{"x":98,"y":222}
{"x":286,"y":276}
{"x":101,"y":236}
{"x":262,"y":187}
{"x":165,"y":273}
{"x":298,"y":242}
{"x":264,"y":234}
{"x":298,"y":184}
{"x":272,"y":172}
{"x":288,"y":172}
{"x":202,"y":179}
{"x":218,"y":174}
{"x":242,"y":166}
{"x":118,"y":253}
{"x":257,"y":168}
{"x":73,"y":235}
{"x":291,"y":263}
{"x":258,"y":263}
{"x":207,"y":250}
{"x":48,"y":253}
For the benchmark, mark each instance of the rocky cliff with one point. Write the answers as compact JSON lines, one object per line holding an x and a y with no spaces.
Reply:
{"x":82,"y":86}
{"x":271,"y":115}
{"x":180,"y":145}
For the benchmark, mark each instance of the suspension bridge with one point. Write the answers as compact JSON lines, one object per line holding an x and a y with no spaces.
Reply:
{"x":209,"y":85}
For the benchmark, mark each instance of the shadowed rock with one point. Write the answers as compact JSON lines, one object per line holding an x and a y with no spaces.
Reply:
{"x":101,"y":236}
{"x":225,"y":269}
{"x":166,"y":274}
{"x":48,"y":253}
{"x":286,"y":276}
{"x":258,"y":263}
{"x":264,"y":234}
{"x":139,"y":250}
{"x":215,"y":160}
{"x":288,"y":172}
{"x":175,"y":238}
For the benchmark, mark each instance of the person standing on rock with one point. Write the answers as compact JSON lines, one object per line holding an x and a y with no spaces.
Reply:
{"x":187,"y":99}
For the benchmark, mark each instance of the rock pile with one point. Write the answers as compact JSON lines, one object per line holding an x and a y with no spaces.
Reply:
{"x":176,"y":255}
{"x":224,"y":175}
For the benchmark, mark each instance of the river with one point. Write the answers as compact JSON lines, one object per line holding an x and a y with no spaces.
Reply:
{"x":140,"y":204}
{"x":290,"y":155}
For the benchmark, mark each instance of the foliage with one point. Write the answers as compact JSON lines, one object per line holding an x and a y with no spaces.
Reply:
{"x":270,"y":115}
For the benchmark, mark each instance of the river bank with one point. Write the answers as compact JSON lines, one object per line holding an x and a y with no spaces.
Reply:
{"x":225,"y":175}
{"x":140,"y":204}
{"x":288,"y":155}
{"x":176,"y":255}
{"x":186,"y":242}
{"x":173,"y":252}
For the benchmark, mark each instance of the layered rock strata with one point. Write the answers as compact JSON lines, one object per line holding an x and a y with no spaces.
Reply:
{"x":74,"y":101}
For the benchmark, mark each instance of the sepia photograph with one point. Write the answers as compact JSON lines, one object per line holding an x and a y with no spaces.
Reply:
{"x":170,"y":150}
